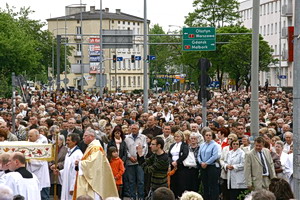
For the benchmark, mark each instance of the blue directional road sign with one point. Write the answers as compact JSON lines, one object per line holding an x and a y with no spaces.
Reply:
{"x":282,"y":76}
{"x":152,"y":57}
{"x":119,"y":58}
{"x":138,"y":58}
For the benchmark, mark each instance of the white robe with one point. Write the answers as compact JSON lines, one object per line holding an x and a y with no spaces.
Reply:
{"x":68,"y":174}
{"x":41,"y":170}
{"x":27,"y":187}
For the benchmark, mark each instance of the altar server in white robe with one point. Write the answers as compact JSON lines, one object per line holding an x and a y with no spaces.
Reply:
{"x":21,"y":181}
{"x":39,"y":168}
{"x":68,"y":174}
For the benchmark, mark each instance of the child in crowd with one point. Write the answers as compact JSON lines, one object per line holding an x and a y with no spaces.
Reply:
{"x":117,"y":167}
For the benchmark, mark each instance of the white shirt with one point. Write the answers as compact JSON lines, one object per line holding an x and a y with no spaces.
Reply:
{"x":287,"y":147}
{"x":68,"y":174}
{"x":27,"y":187}
{"x":175,"y":151}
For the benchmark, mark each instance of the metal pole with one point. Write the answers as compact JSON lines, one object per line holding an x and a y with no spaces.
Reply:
{"x":296,"y":102}
{"x":204,"y":112}
{"x":101,"y":52}
{"x":81,"y":57}
{"x":280,"y":51}
{"x":254,"y":69}
{"x":58,"y":37}
{"x":145,"y":58}
{"x":65,"y":54}
{"x":14,"y":103}
{"x":53,"y":74}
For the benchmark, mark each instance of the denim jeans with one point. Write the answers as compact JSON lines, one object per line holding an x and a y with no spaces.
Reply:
{"x":135,"y":175}
{"x":45,"y":193}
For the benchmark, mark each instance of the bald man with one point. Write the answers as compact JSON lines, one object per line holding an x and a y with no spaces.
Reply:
{"x":20,"y":180}
{"x":38,"y":167}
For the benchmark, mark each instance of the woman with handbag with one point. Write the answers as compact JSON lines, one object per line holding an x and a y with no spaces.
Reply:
{"x":192,"y":164}
{"x":177,"y":154}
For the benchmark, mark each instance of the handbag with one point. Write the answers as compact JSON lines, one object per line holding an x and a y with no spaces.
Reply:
{"x":190,"y":160}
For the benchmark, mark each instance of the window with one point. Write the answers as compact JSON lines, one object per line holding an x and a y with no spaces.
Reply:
{"x":268,"y":29}
{"x":78,"y":47}
{"x":124,"y":64}
{"x":123,"y":22}
{"x":260,"y":10}
{"x":113,"y":65}
{"x":260,"y":30}
{"x":119,"y":65}
{"x":119,"y":81}
{"x":271,"y":7}
{"x":275,"y":28}
{"x":112,"y":21}
{"x":133,"y":23}
{"x":124,"y":81}
{"x":134,"y":81}
{"x":129,"y":63}
{"x":275,"y":6}
{"x":267,"y":5}
{"x":113,"y":80}
{"x":275,"y":49}
{"x":128,"y":23}
{"x":264,"y":30}
{"x":78,"y":61}
{"x":139,"y":81}
{"x":129,"y":81}
{"x":119,"y":22}
{"x":271,"y":29}
{"x":78,"y":30}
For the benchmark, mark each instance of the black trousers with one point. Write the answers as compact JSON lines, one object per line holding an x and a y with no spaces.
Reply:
{"x":209,"y":177}
{"x":234,"y":193}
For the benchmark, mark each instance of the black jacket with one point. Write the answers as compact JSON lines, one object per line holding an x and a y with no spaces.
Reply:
{"x":122,"y":150}
{"x":183,"y":154}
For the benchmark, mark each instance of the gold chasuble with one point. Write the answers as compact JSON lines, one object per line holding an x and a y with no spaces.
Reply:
{"x":96,"y":176}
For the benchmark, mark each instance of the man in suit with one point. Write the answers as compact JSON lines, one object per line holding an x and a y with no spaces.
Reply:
{"x":71,"y":129}
{"x":259,"y":166}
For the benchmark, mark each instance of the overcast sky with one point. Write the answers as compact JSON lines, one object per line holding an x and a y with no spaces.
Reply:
{"x":163,"y":12}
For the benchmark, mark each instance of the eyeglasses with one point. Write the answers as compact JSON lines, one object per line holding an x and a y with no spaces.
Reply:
{"x":230,"y":139}
{"x":240,"y":128}
{"x":235,"y":144}
{"x":208,"y":135}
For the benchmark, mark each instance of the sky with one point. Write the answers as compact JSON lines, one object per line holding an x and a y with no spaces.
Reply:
{"x":162,"y":12}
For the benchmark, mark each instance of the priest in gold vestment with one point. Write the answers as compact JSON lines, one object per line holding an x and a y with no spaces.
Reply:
{"x":94,"y":176}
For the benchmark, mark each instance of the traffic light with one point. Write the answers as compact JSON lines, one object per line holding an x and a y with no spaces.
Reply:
{"x":114,"y":58}
{"x":132,"y":58}
{"x":204,"y":79}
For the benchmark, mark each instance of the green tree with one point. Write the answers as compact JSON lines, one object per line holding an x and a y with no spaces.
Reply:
{"x":25,"y":48}
{"x":237,"y":55}
{"x":215,"y":13}
{"x":166,"y":55}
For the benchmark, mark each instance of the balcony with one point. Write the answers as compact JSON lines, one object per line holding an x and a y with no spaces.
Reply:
{"x":287,"y":10}
{"x":284,"y":33}
{"x":78,"y":53}
{"x":284,"y":55}
{"x":77,"y":37}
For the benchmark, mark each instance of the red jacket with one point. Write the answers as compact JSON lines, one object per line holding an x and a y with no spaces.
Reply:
{"x":118,"y":169}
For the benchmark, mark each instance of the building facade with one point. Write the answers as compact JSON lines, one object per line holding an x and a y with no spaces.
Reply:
{"x":82,"y":30}
{"x":276,"y":27}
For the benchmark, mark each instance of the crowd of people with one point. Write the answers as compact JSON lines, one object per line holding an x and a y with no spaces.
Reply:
{"x":111,"y":147}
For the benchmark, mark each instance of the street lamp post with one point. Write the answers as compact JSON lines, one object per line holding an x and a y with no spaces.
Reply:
{"x":53,"y":69}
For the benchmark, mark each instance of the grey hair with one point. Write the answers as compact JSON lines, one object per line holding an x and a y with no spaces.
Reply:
{"x":197,"y":135}
{"x":53,"y":128}
{"x":280,"y":143}
{"x":91,"y":131}
{"x":6,"y":193}
{"x":62,"y":138}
